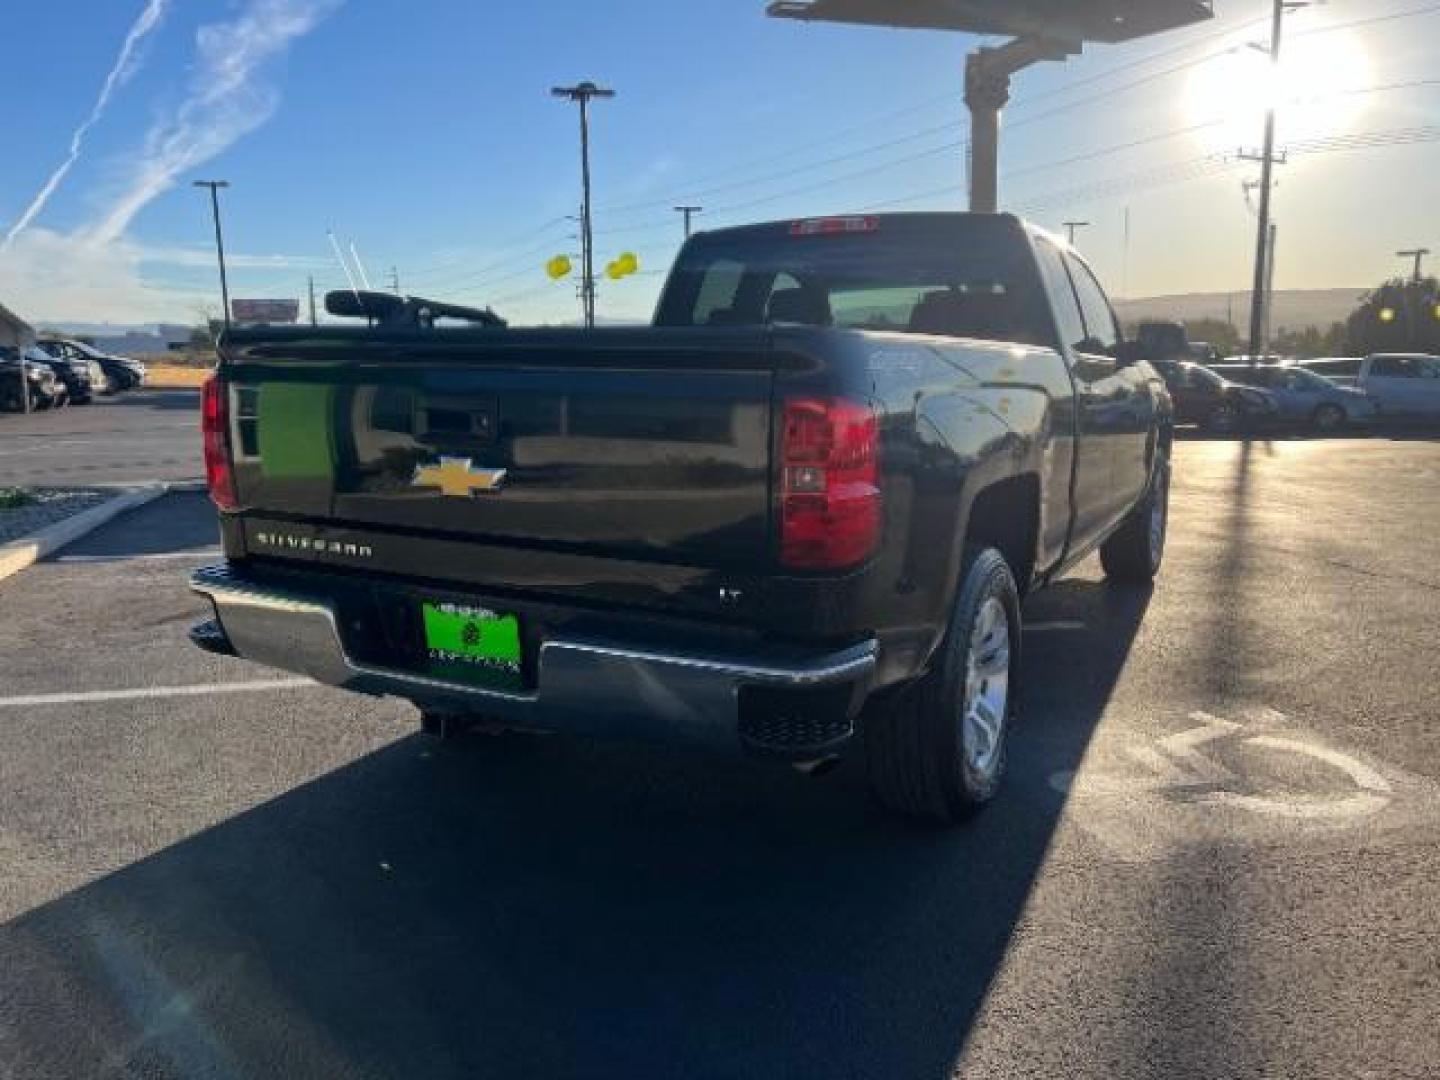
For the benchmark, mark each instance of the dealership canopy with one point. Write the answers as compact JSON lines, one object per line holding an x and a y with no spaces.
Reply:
{"x":1039,"y":30}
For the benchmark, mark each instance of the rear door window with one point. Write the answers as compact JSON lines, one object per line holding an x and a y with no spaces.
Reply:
{"x":1396,"y":367}
{"x":1068,"y":321}
{"x":1101,"y":330}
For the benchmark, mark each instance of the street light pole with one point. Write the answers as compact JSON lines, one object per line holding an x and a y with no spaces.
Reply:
{"x":1417,"y":254}
{"x":582,"y":93}
{"x":1070,"y":227}
{"x":688,"y":211}
{"x":215,"y":186}
{"x":1412,"y":295}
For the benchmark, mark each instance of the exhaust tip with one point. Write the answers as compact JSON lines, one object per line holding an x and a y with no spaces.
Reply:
{"x":816,"y":767}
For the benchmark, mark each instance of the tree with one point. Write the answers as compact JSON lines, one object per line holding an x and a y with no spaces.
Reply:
{"x":1400,"y":316}
{"x":1217,"y":332}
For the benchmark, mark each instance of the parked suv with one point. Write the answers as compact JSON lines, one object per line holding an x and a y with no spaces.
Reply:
{"x":73,"y":372}
{"x":43,"y":388}
{"x":121,"y":372}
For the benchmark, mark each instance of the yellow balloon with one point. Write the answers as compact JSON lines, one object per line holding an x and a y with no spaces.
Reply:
{"x":614,"y":271}
{"x":558,"y":267}
{"x":629,"y":262}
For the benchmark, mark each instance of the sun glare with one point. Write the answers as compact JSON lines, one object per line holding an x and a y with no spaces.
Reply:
{"x":1315,"y":91}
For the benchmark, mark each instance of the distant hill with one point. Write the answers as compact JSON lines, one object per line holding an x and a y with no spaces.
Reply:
{"x":1295,"y":309}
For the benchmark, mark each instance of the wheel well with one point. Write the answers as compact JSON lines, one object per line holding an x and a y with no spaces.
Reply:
{"x":1006,"y":516}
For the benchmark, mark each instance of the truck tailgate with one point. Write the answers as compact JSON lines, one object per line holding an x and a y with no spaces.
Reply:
{"x":644,"y":446}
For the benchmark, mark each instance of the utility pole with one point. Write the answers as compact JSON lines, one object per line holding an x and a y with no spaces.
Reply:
{"x":688,"y":211}
{"x":395,"y":280}
{"x":1417,"y":254}
{"x":1125,"y":257}
{"x":215,"y":186}
{"x":313,"y":321}
{"x":582,"y":93}
{"x":1070,"y":227}
{"x":1267,"y":163}
{"x":1269,"y":296}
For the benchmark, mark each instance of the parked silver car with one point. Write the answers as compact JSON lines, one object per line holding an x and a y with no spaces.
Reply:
{"x":1403,"y":386}
{"x":1302,"y":396}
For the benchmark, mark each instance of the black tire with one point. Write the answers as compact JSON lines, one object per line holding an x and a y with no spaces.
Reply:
{"x":1132,"y":554}
{"x":1224,"y":419}
{"x":1328,"y":417}
{"x":925,"y":760}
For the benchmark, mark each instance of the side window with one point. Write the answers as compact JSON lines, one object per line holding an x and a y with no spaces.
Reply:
{"x":1100,"y":331}
{"x":1057,"y":283}
{"x":1394,"y":367}
{"x":715,"y":303}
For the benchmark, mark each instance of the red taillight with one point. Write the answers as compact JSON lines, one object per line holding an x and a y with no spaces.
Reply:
{"x":215,"y":435}
{"x":830,"y":225}
{"x":829,"y":494}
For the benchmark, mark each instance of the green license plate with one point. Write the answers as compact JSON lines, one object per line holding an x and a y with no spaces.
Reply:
{"x":474,"y":642}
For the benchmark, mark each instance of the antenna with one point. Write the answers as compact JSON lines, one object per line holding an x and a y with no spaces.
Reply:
{"x":343,"y":264}
{"x":364,"y":277}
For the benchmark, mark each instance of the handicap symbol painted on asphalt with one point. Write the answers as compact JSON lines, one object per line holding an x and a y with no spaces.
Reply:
{"x":1182,"y":767}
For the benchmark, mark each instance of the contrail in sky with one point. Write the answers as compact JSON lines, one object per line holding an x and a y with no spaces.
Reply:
{"x":126,"y":64}
{"x":226,"y":100}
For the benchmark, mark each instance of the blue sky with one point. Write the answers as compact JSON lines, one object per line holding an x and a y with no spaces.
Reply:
{"x":425,"y":133}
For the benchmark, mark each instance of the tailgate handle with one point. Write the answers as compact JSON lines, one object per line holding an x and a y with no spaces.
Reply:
{"x":470,"y":420}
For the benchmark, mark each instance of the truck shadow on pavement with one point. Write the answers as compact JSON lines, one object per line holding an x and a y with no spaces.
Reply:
{"x":545,"y":907}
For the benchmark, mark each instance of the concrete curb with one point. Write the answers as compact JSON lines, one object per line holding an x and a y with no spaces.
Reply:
{"x":18,"y":554}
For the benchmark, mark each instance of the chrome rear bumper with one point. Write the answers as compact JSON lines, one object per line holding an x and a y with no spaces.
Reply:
{"x":583,"y":686}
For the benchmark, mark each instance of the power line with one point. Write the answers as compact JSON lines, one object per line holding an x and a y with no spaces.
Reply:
{"x":956,"y":125}
{"x":486,"y":274}
{"x":1186,"y":169}
{"x":1022,"y":103}
{"x":948,"y":96}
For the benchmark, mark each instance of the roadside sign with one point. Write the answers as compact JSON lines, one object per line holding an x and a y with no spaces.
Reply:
{"x":265,"y":311}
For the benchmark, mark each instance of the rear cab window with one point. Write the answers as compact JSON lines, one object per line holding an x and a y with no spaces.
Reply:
{"x":913,"y":273}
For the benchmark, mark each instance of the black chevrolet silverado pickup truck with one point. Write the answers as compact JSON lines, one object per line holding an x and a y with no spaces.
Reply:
{"x":798,"y":512}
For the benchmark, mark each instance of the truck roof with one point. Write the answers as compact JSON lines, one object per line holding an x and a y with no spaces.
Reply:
{"x":875,"y":221}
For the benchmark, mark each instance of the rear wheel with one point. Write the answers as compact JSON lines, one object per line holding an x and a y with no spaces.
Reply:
{"x":1134,"y":551}
{"x":1328,"y":417}
{"x":1224,"y":418}
{"x":936,"y":750}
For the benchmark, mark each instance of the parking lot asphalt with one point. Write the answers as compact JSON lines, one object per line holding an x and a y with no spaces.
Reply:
{"x":129,"y":438}
{"x":1216,"y":856}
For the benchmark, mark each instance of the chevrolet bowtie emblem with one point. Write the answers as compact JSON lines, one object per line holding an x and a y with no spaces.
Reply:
{"x":456,"y":476}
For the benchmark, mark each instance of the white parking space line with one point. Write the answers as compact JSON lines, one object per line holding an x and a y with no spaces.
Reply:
{"x":154,"y":556}
{"x":141,"y":692}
